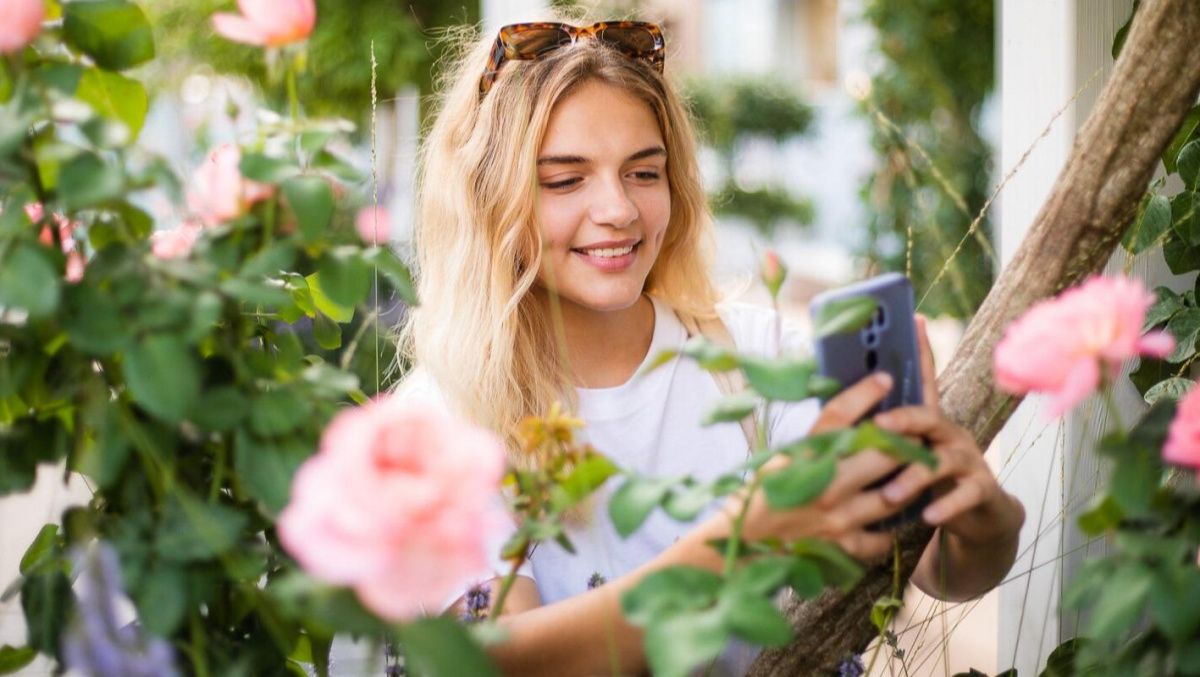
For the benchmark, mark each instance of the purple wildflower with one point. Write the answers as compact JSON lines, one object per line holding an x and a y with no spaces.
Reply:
{"x":596,"y":580}
{"x":478,"y":599}
{"x":97,"y":643}
{"x":852,"y":667}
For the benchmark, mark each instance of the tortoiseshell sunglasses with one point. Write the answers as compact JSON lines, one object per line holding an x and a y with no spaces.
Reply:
{"x":532,"y":41}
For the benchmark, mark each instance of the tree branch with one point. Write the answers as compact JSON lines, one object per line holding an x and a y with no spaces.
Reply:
{"x":1155,"y":82}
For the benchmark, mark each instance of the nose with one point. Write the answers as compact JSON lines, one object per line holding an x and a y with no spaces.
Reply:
{"x":612,"y":206}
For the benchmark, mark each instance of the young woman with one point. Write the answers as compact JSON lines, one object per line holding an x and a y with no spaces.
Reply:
{"x":562,"y":167}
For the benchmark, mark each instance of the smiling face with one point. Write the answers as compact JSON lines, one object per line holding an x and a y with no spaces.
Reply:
{"x":604,"y":199}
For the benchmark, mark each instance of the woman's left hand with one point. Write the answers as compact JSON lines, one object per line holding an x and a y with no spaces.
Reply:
{"x":968,"y":501}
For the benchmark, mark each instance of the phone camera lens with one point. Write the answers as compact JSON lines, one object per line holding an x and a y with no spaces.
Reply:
{"x":870,"y":338}
{"x":879,"y":319}
{"x":872,"y":360}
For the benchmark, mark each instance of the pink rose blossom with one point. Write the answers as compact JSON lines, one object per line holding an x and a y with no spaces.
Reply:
{"x":1183,"y":438}
{"x":397,"y":503}
{"x":219,"y":192}
{"x":1065,"y":345}
{"x":66,"y":236}
{"x":176,"y":242}
{"x":20,"y":23}
{"x":268,"y":23}
{"x":373,"y":224}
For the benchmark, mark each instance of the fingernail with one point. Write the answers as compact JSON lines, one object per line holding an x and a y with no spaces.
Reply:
{"x":894,"y":492}
{"x":932,"y":515}
{"x":884,"y":379}
{"x":884,"y":420}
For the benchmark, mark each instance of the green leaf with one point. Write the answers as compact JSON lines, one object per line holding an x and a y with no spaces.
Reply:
{"x":1175,"y":602}
{"x":1166,"y":304}
{"x":256,"y":292}
{"x":327,"y":333}
{"x":884,"y":610}
{"x":278,"y":257}
{"x":1104,"y":516}
{"x":28,"y":280}
{"x":762,"y":576}
{"x":45,"y":600}
{"x":328,"y":162}
{"x":116,"y":97}
{"x":686,"y":502}
{"x":276,"y":412}
{"x":670,"y":591}
{"x":870,"y":436}
{"x":663,"y":357}
{"x":1172,"y":389}
{"x":1153,"y":222}
{"x":632,"y":502}
{"x":806,"y":579}
{"x":1120,"y":603}
{"x":93,"y":321}
{"x":1185,"y":327}
{"x":434,"y":647}
{"x":1061,"y":662}
{"x":87,"y":181}
{"x":266,"y":169}
{"x":799,"y":482}
{"x":191,"y":530}
{"x":844,"y":315}
{"x":1185,"y":214}
{"x":162,"y":376}
{"x":1188,"y":164}
{"x":13,"y":659}
{"x":311,"y":199}
{"x":757,"y":620}
{"x":584,"y":479}
{"x":114,"y":33}
{"x":43,"y":546}
{"x":344,"y":280}
{"x":784,"y":379}
{"x":709,"y":355}
{"x":220,"y":409}
{"x":837,"y":568}
{"x":105,"y":457}
{"x":386,"y":261}
{"x":677,"y":645}
{"x":265,"y":471}
{"x":1181,"y":138}
{"x":731,"y":408}
{"x":1181,"y":258}
{"x":161,"y":597}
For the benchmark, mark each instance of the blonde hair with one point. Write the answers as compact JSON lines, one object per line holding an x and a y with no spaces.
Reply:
{"x":484,"y":332}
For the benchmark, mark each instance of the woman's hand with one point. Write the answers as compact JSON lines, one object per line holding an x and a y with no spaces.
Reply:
{"x":842,"y":512}
{"x":968,"y":501}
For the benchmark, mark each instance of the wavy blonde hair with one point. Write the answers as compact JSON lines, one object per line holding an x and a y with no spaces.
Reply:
{"x":484,"y":331}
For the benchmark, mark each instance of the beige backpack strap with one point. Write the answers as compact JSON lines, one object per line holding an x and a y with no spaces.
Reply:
{"x":729,"y":382}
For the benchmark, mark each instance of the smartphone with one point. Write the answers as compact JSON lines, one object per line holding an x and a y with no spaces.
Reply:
{"x":887,"y":343}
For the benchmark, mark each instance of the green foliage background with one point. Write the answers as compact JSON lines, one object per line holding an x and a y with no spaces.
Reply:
{"x":938,"y":72}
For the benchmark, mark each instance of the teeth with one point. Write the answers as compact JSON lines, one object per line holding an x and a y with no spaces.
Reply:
{"x":609,"y":252}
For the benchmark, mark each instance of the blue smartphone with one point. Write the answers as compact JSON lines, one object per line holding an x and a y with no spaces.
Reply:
{"x":887,"y":343}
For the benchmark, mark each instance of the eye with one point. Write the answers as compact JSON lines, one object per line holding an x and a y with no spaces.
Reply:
{"x":565,"y":183}
{"x":647,"y":175}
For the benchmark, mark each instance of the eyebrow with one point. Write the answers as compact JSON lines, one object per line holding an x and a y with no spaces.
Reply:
{"x":578,"y":159}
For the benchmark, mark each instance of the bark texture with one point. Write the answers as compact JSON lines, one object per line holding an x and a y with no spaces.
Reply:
{"x":1154,"y":83}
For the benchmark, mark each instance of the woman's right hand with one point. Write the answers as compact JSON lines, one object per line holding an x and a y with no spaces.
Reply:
{"x":843,"y":511}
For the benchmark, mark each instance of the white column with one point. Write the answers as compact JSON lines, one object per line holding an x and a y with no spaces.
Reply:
{"x":496,"y":13}
{"x":1049,"y":51}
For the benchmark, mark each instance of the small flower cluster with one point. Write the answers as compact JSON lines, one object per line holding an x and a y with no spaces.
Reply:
{"x":478,"y":601}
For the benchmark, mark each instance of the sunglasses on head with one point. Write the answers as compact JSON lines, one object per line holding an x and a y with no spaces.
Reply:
{"x":532,"y":41}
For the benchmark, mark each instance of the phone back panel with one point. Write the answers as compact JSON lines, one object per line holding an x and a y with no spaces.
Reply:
{"x":888,"y":343}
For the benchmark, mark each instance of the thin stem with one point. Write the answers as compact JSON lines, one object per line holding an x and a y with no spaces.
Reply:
{"x":293,"y":97}
{"x":507,"y":584}
{"x":735,"y":533}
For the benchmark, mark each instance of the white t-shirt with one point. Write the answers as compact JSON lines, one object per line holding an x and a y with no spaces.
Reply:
{"x":651,"y":425}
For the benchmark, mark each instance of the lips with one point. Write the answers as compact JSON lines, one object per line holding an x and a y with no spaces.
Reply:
{"x":609,"y":256}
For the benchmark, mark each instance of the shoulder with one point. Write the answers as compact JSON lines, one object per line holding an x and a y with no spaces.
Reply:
{"x":753,"y":328}
{"x":418,"y":387}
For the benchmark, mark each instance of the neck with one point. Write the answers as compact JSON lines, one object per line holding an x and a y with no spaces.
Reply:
{"x":605,"y":348}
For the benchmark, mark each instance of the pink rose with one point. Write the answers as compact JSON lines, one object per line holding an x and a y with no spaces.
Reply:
{"x":1063,"y":346}
{"x":66,"y":236}
{"x":373,"y":224}
{"x":176,"y":242}
{"x":219,"y":192}
{"x":397,"y":503}
{"x":1183,"y":438}
{"x":20,"y":22}
{"x":772,"y":272}
{"x":268,"y":23}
